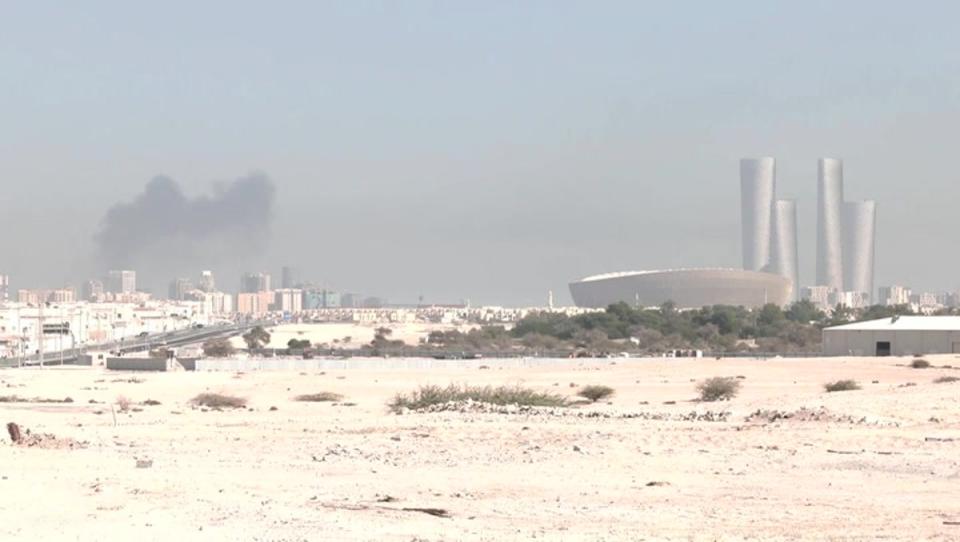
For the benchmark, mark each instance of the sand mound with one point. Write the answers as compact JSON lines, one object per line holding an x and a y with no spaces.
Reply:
{"x":26,"y":439}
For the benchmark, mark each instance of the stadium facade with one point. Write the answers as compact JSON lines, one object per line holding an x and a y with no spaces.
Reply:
{"x":687,"y":288}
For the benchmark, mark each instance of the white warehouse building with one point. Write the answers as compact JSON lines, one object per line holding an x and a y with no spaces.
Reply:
{"x":897,"y":336}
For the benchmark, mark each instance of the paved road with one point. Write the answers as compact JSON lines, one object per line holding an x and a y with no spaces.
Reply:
{"x":140,"y":344}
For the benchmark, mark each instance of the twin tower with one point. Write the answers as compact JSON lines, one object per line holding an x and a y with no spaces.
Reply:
{"x":846,"y":231}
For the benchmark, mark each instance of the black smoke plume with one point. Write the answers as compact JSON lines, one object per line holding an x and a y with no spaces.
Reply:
{"x":163,"y":227}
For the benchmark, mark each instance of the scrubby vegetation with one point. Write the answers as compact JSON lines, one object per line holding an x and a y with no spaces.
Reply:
{"x":719,"y":388}
{"x":596,"y":393}
{"x":426,"y":396}
{"x":324,"y":396}
{"x":298,"y":344}
{"x":217,"y":400}
{"x":622,"y":328}
{"x":841,"y":385}
{"x":256,"y":338}
{"x":920,"y":364}
{"x":946,"y":379}
{"x":218,"y":348}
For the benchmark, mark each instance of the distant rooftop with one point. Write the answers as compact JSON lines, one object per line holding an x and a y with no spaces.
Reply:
{"x":905,"y":323}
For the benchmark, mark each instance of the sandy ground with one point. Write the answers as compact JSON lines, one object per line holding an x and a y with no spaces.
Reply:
{"x":878,"y":463}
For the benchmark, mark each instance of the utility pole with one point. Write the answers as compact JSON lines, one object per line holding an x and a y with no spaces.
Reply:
{"x":42,"y":294}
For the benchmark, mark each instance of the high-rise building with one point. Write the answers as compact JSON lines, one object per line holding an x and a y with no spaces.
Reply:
{"x":179,"y":288}
{"x":288,"y":277}
{"x":893,"y":295}
{"x":255,"y":282}
{"x":62,"y":295}
{"x":757,"y":190}
{"x":351,"y":300}
{"x":830,"y":223}
{"x":207,"y":284}
{"x":121,"y":281}
{"x":859,"y":233}
{"x":768,"y":226}
{"x":820,"y":296}
{"x":784,"y":257}
{"x":288,"y":300}
{"x":93,"y":290}
{"x":251,"y":304}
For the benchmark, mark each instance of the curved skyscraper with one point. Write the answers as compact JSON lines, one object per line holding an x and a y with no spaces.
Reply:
{"x":784,"y":257}
{"x":830,"y":223}
{"x":859,"y":228}
{"x":757,"y":189}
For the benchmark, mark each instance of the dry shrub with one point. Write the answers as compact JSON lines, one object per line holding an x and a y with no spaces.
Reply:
{"x":841,"y":385}
{"x":324,"y":396}
{"x":946,"y":379}
{"x":426,"y":396}
{"x":123,"y":403}
{"x":596,"y":393}
{"x":218,"y":400}
{"x":920,"y":364}
{"x":18,"y":399}
{"x":718,"y":388}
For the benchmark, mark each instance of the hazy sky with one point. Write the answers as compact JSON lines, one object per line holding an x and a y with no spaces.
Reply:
{"x":486,"y":150}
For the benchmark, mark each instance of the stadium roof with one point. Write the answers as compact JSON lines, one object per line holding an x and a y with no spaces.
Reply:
{"x":904,"y":323}
{"x":619,"y":274}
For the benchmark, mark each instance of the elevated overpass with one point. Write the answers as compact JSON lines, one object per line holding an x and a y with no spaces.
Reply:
{"x":169,"y":339}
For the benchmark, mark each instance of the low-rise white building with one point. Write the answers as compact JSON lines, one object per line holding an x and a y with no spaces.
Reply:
{"x":896,"y":336}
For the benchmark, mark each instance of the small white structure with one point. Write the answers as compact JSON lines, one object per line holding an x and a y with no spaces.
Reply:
{"x":897,"y":336}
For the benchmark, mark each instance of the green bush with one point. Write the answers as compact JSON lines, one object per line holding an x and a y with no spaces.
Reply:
{"x":841,"y":385}
{"x":718,"y":388}
{"x":596,"y":393}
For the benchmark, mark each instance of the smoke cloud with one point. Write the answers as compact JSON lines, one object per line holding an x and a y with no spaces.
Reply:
{"x":162,"y":226}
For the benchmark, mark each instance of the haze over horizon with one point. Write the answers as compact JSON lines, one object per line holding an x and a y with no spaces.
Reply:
{"x":488,"y":151}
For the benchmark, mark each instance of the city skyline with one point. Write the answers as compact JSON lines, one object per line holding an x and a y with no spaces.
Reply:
{"x":574,"y":141}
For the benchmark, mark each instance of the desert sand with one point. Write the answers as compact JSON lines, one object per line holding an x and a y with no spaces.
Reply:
{"x":878,"y":463}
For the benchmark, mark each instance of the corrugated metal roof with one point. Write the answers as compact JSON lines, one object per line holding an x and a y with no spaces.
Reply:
{"x":904,"y":323}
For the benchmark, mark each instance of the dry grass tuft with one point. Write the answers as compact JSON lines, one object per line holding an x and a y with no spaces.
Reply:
{"x":324,"y":396}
